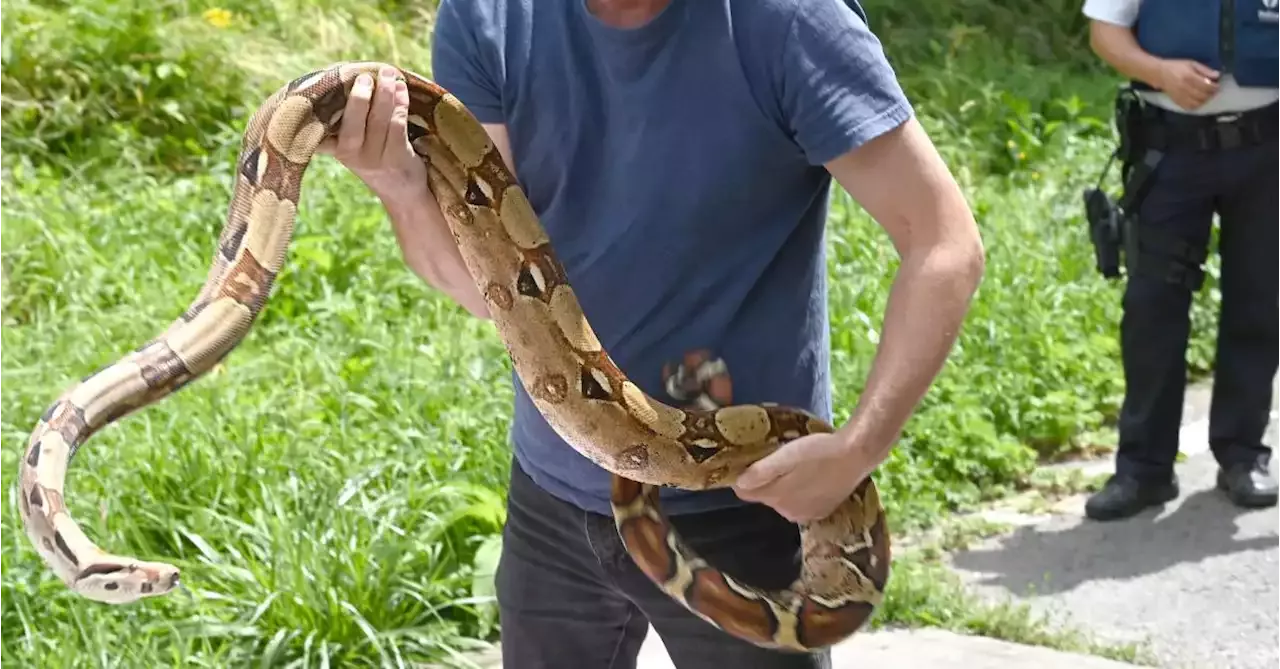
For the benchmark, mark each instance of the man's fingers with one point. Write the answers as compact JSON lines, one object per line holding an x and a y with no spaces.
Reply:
{"x":1191,"y":89}
{"x":761,"y":472}
{"x":1200,"y":95}
{"x":375,"y":139}
{"x":1204,"y":85}
{"x":397,"y":127}
{"x":1207,"y":72}
{"x":397,"y":131}
{"x":354,"y":117}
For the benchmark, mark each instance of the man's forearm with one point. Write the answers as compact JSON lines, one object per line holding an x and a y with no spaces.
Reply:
{"x":1117,"y":46}
{"x":431,"y":252}
{"x":927,"y":304}
{"x":903,"y":183}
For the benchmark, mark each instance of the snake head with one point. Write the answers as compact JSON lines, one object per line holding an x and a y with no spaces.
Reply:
{"x":119,"y":581}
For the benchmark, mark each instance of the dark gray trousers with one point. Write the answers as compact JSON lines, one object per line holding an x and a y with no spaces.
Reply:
{"x":571,"y":598}
{"x":1187,"y":189}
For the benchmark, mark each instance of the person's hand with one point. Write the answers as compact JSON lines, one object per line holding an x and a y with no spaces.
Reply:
{"x":806,"y":479}
{"x":373,"y":141}
{"x":1188,"y":83}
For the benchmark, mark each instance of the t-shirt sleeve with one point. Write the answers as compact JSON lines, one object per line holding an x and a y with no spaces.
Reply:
{"x":837,"y":89}
{"x":466,"y":56}
{"x":1119,"y":12}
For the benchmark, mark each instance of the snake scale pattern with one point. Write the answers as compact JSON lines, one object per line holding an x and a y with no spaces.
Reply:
{"x":643,"y":442}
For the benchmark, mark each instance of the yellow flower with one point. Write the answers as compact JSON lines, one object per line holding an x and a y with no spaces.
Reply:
{"x":1035,"y":176}
{"x":217,"y":17}
{"x":1022,"y":156}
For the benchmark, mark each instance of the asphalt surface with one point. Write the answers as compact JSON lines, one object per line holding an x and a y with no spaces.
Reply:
{"x":924,"y":649}
{"x":908,"y":649}
{"x":1197,"y":580}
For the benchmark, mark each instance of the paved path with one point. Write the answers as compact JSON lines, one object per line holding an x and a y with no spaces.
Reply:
{"x":898,"y":649}
{"x":1197,"y":580}
{"x":925,"y":649}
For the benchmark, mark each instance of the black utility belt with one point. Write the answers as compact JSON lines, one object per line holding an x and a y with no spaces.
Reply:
{"x":1164,"y":129}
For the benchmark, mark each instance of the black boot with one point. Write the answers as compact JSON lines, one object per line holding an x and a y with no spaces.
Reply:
{"x":1124,"y":496}
{"x":1248,"y":485}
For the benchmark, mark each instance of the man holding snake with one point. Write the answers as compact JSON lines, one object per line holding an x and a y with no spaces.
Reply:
{"x":680,"y":154}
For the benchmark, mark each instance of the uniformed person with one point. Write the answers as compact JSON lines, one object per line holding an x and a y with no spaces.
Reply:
{"x":1201,"y":141}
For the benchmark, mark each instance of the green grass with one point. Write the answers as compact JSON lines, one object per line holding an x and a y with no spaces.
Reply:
{"x":327,"y":490}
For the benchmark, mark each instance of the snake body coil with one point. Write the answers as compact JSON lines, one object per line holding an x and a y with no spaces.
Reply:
{"x":643,"y":442}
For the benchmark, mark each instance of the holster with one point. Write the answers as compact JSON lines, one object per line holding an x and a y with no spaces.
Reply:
{"x":1146,"y":250}
{"x":1138,"y":157}
{"x":1109,"y":221}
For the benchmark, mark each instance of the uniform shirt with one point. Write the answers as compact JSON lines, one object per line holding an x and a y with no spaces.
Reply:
{"x":1231,"y":97}
{"x":677,"y":168}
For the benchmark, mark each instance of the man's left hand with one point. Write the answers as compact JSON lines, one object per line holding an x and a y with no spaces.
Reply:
{"x":808,"y":478}
{"x":902,"y":182}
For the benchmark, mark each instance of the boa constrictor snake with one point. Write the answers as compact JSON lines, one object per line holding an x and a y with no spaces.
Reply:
{"x":643,"y":442}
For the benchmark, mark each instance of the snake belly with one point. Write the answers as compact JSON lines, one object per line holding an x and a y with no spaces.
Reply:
{"x":586,"y":398}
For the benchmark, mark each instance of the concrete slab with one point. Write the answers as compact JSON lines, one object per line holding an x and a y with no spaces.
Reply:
{"x":893,"y":649}
{"x":1198,"y":581}
{"x":925,"y":649}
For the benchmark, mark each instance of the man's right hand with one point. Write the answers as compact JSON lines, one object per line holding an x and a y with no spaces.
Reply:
{"x":373,"y":141}
{"x":1187,"y":83}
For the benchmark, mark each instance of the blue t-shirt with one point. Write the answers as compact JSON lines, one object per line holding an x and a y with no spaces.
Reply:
{"x":678,"y":170}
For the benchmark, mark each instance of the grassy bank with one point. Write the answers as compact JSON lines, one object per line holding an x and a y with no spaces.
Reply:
{"x":327,"y":490}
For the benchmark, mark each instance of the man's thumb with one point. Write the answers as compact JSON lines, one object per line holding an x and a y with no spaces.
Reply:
{"x":327,"y":146}
{"x":1204,"y":71}
{"x":758,"y":474}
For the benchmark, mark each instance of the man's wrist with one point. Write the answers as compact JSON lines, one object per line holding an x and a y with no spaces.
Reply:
{"x":1151,"y":71}
{"x":407,"y":202}
{"x":860,"y":440}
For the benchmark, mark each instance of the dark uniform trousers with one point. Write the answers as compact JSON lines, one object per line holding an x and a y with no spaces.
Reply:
{"x":1187,"y":188}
